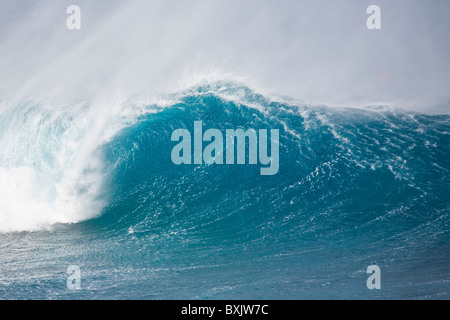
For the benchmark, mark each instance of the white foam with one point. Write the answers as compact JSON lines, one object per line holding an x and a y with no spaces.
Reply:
{"x":51,"y":170}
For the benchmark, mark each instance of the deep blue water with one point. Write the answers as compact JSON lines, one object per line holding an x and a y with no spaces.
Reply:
{"x":355,"y":187}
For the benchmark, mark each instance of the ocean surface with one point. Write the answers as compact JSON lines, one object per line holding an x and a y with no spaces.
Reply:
{"x":92,"y":184}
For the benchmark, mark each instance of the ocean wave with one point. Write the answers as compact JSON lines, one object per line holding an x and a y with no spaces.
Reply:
{"x":65,"y":163}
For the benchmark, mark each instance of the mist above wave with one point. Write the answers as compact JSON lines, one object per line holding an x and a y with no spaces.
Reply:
{"x":322,"y":53}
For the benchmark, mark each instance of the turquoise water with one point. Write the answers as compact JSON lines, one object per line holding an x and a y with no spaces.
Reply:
{"x":355,"y":187}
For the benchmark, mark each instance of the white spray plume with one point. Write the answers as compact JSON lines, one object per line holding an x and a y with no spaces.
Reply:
{"x":319,"y":51}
